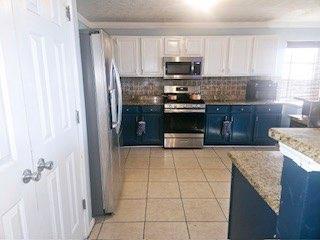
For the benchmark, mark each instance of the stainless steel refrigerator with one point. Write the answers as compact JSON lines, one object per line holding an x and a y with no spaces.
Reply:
{"x":103,"y":101}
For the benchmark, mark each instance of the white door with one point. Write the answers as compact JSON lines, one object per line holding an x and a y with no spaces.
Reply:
{"x":128,"y":56}
{"x":151,"y":56}
{"x":45,"y":45}
{"x":194,"y":46}
{"x":240,"y":52}
{"x":264,"y":58}
{"x":215,"y":58}
{"x":173,"y":46}
{"x":17,"y":199}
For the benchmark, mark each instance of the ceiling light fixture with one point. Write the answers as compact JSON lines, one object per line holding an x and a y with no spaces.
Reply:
{"x":201,"y":5}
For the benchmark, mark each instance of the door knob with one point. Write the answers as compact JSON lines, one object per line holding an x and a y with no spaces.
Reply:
{"x":28,"y":175}
{"x":42,"y":164}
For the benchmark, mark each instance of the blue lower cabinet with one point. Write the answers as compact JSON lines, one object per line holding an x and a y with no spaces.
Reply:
{"x":242,"y":128}
{"x":263,"y":122}
{"x":250,"y":216}
{"x":154,"y":129}
{"x":153,"y":117}
{"x":214,"y":124}
{"x":129,"y":129}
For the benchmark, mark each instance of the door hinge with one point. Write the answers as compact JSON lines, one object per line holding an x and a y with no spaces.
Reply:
{"x":84,"y":204}
{"x":68,"y":13}
{"x":77,"y":116}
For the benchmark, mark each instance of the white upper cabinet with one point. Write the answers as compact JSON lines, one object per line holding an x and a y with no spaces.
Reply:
{"x":151,"y":56}
{"x":240,"y":54}
{"x":193,"y":46}
{"x":264,"y":59}
{"x":128,"y":56}
{"x":173,"y":46}
{"x":216,"y":56}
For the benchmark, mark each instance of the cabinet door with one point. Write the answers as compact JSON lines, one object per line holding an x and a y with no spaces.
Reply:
{"x":194,"y":46}
{"x":264,"y":58}
{"x":263,"y":123}
{"x":129,"y":132}
{"x":240,"y":52}
{"x":242,"y":128}
{"x":214,"y":129}
{"x":128,"y":56}
{"x":173,"y":46}
{"x":154,"y":129}
{"x":151,"y":56}
{"x":215,"y":57}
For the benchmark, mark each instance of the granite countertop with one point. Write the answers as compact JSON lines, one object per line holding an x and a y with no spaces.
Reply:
{"x":158,"y":100}
{"x":263,"y":171}
{"x":143,"y":100}
{"x":304,"y":140}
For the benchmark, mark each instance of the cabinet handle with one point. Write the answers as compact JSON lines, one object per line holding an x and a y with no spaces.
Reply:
{"x":232,"y":118}
{"x":257,"y":118}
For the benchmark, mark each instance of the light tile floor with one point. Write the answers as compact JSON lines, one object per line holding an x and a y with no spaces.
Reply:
{"x":172,"y":194}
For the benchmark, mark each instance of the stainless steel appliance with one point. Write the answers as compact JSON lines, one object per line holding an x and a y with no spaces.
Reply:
{"x":184,"y":119}
{"x":103,"y":99}
{"x":310,"y":116}
{"x":182,"y":67}
{"x":261,"y":90}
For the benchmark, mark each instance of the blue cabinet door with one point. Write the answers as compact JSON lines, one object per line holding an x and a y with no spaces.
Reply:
{"x":213,"y":133}
{"x":242,"y":128}
{"x":154,"y":129}
{"x":129,"y":134}
{"x":262,"y":125}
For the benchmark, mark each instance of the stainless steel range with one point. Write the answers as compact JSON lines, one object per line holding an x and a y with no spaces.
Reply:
{"x":184,"y":117}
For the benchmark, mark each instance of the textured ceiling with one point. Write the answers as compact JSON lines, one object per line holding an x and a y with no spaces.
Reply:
{"x":180,"y":11}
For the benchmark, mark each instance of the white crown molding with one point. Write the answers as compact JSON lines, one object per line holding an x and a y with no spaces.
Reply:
{"x":201,"y":25}
{"x":85,"y":21}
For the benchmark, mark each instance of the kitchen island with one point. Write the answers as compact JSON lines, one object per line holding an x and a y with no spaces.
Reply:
{"x":277,"y":195}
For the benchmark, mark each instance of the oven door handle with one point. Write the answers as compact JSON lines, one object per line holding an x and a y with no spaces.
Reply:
{"x":184,"y":110}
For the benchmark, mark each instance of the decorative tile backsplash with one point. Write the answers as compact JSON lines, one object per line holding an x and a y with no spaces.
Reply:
{"x":218,"y":88}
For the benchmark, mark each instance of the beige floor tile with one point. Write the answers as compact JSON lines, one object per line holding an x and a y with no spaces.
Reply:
{"x":225,"y":205}
{"x":221,"y":189}
{"x":125,"y":231}
{"x":186,"y":163}
{"x":137,"y":163}
{"x":134,"y":190}
{"x":211,"y":163}
{"x":203,"y":210}
{"x":160,"y":152}
{"x":223,"y":151}
{"x":228,"y":163}
{"x":183,"y":153}
{"x":195,"y":190}
{"x":129,"y":211}
{"x":208,"y":230}
{"x":99,"y":219}
{"x":217,"y":175}
{"x":165,"y":210}
{"x":206,"y":152}
{"x":136,"y":175}
{"x":166,"y":231}
{"x":157,"y":175}
{"x":163,"y":190}
{"x":95,"y":231}
{"x":190,"y":175}
{"x":161,"y":162}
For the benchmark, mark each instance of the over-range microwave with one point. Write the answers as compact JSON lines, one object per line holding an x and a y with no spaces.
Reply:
{"x":182,"y":67}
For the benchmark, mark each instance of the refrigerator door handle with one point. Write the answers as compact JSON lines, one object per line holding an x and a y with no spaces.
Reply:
{"x":119,"y":91}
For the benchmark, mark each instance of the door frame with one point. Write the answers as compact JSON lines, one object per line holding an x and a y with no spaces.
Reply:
{"x":82,"y":129}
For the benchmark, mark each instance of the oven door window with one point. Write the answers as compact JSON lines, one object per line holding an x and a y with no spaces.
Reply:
{"x":184,"y":122}
{"x":178,"y":68}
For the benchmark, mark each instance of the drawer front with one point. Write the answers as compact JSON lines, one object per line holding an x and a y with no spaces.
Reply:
{"x":152,"y":109}
{"x":269,"y":109}
{"x":218,"y":109}
{"x":241,"y":108}
{"x":130,"y":109}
